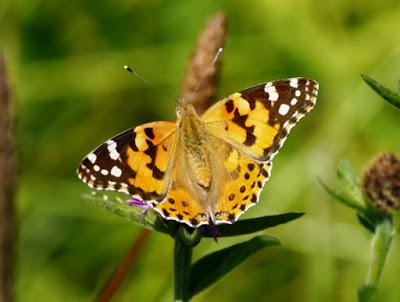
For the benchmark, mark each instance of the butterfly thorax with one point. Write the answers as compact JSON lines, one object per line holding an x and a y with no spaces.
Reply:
{"x":193,"y":140}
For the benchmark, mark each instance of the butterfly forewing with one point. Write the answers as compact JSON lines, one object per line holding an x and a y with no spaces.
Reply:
{"x":135,"y":162}
{"x":257,"y":120}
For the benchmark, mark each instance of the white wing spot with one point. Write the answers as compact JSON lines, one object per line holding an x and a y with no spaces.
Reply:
{"x":92,"y":157}
{"x":272,"y":94}
{"x":111,"y":145}
{"x":298,"y":93}
{"x":96,"y":168}
{"x":294,"y":83}
{"x":115,"y":171}
{"x":293,"y":102}
{"x":104,"y":172}
{"x":114,"y":154}
{"x":283,"y":109}
{"x":112,"y":149}
{"x":307,"y":96}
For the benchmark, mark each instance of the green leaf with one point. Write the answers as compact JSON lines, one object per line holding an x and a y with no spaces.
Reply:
{"x":248,"y":226}
{"x":134,"y":214}
{"x":343,"y":198}
{"x":366,"y":293}
{"x":349,"y":181}
{"x":213,"y":267}
{"x":389,"y":95}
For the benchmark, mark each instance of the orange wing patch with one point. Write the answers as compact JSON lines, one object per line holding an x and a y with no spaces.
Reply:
{"x":182,"y":206}
{"x":149,"y":160}
{"x":243,"y":124}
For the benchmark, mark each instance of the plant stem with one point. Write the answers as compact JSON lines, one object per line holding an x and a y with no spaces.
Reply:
{"x":182,"y":266}
{"x":379,"y":250}
{"x":7,"y":188}
{"x":380,"y":246}
{"x":124,"y":266}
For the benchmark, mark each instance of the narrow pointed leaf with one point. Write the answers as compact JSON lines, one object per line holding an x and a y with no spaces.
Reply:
{"x":214,"y":266}
{"x":343,"y":198}
{"x":134,"y":214}
{"x":387,"y":94}
{"x":349,"y":180}
{"x":248,"y":226}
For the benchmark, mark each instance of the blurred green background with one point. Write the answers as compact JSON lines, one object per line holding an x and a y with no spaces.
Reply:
{"x":65,"y":65}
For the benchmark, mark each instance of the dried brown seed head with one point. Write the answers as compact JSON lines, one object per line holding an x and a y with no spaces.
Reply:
{"x":382,"y":182}
{"x":211,"y":39}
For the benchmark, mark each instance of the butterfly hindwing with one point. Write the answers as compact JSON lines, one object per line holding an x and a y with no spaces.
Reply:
{"x":257,"y":120}
{"x":244,"y":182}
{"x":135,"y":162}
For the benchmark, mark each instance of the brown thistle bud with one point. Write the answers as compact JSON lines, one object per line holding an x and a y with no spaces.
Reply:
{"x":382,"y":182}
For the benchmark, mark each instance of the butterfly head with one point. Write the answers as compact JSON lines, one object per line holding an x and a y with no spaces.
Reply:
{"x":185,"y":108}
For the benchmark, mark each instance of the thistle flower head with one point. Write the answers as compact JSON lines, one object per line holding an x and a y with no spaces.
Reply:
{"x":382,"y":182}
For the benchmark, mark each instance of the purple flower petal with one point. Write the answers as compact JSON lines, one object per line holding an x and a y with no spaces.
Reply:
{"x":136,"y":202}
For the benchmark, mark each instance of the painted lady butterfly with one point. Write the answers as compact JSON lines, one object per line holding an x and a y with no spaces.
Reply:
{"x":203,"y":169}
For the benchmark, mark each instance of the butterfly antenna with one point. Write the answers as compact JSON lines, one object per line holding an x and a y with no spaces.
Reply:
{"x":217,"y":55}
{"x":134,"y":73}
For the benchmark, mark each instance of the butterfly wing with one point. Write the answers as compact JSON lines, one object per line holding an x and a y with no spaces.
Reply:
{"x":137,"y":162}
{"x":257,"y":120}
